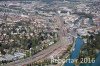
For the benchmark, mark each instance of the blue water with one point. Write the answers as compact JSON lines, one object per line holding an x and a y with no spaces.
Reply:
{"x":88,"y":64}
{"x":97,"y":61}
{"x":74,"y":55}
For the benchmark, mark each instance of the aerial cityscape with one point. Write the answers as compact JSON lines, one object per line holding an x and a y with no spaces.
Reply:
{"x":49,"y":32}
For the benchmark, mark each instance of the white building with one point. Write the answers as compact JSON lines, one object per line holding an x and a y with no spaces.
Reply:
{"x":19,"y":55}
{"x":83,"y":32}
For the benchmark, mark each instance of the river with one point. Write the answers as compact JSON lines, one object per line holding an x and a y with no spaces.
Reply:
{"x":75,"y":53}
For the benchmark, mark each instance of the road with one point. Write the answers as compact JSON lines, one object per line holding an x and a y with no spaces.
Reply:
{"x":47,"y":52}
